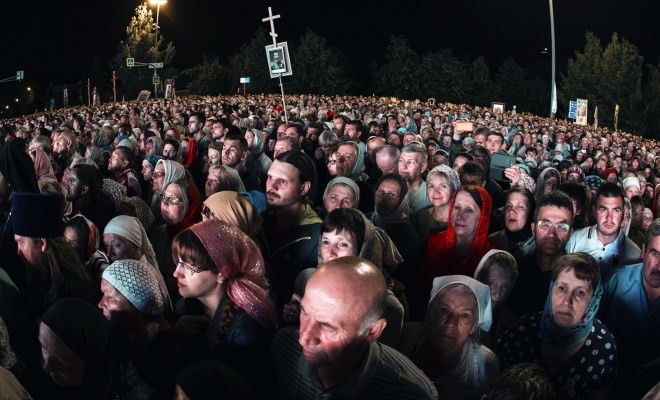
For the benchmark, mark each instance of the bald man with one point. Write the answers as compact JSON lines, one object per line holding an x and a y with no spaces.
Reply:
{"x":336,"y":352}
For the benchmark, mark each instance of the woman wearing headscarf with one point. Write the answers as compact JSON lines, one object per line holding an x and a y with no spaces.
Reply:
{"x":42,"y":166}
{"x":356,"y":174}
{"x":234,"y":209}
{"x":499,"y":271}
{"x":566,"y":338}
{"x":549,"y":179}
{"x":447,"y":347}
{"x":165,"y":171}
{"x":441,"y":184}
{"x":340,"y":192}
{"x":77,"y":351}
{"x":180,"y":206}
{"x":517,"y":237}
{"x":85,"y":239}
{"x":134,"y":305}
{"x":257,"y":161}
{"x":226,"y":310}
{"x":125,"y":238}
{"x":459,"y":249}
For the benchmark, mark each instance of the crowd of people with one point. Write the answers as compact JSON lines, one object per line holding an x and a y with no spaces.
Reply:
{"x":331,"y":247}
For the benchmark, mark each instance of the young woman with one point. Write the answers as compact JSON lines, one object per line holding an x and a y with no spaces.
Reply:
{"x":225,"y":311}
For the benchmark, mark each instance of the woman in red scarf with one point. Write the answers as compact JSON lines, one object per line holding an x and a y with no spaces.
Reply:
{"x":458,"y":250}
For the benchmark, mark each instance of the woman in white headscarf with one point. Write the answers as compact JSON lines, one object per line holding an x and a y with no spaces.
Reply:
{"x":447,"y":346}
{"x":125,"y":238}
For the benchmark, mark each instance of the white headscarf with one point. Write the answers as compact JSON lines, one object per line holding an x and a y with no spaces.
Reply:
{"x":132,"y":230}
{"x":481,"y":293}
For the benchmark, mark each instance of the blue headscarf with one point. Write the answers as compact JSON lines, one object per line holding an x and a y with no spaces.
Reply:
{"x":558,"y":336}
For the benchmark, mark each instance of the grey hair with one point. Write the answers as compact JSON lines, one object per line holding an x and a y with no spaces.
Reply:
{"x":416,"y":147}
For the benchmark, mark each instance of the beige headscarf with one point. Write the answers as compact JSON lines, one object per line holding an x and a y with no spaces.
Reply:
{"x":236,"y":210}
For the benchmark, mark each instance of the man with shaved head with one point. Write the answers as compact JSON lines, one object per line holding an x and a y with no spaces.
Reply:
{"x":335,"y":352}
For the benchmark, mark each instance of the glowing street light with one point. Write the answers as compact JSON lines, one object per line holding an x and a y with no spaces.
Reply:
{"x":157,"y":3}
{"x":29,"y":89}
{"x":16,"y":100}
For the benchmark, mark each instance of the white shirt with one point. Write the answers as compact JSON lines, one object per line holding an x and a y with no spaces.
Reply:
{"x":622,"y":251}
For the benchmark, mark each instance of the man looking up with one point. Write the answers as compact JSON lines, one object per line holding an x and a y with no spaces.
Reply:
{"x":120,"y":165}
{"x":551,"y":228}
{"x":412,"y":162}
{"x":336,"y":352}
{"x":291,"y":227}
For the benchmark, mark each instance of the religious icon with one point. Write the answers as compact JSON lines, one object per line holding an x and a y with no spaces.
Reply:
{"x":276,"y":59}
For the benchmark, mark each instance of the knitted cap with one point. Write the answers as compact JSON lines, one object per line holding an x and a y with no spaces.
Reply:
{"x":137,"y":283}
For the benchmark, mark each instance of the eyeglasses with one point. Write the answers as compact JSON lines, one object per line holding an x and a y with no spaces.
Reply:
{"x":332,"y":162}
{"x":172,"y":200}
{"x":547,"y":225}
{"x":158,"y":174}
{"x":188,"y":270}
{"x":389,"y":195}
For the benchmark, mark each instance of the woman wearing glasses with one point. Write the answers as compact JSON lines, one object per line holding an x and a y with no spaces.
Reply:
{"x":566,"y":339}
{"x":226,"y":310}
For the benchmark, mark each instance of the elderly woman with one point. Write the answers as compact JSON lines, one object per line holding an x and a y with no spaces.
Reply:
{"x":180,"y":205}
{"x":340,"y":192}
{"x":76,"y":347}
{"x":134,"y":305}
{"x":565,"y":338}
{"x":234,"y":209}
{"x":499,"y":270}
{"x":125,"y":239}
{"x":165,"y":171}
{"x":441,"y":184}
{"x":517,"y":237}
{"x":447,"y":346}
{"x":221,"y":276}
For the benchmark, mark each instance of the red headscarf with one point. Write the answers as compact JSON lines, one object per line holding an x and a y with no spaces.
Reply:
{"x":239,"y":261}
{"x":440,"y":257}
{"x":194,"y":213}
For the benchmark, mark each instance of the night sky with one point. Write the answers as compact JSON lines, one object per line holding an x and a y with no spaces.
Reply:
{"x":57,"y":41}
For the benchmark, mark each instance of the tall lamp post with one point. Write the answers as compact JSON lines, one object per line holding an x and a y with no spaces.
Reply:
{"x":553,"y":88}
{"x":158,"y":4}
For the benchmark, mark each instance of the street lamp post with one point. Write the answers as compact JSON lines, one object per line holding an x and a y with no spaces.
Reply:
{"x":158,"y":4}
{"x":553,"y":88}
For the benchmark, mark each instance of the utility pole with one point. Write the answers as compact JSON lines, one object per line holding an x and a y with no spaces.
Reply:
{"x":114,"y":86}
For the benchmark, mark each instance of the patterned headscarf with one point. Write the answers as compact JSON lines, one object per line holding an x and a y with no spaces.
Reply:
{"x":136,"y":281}
{"x":240,"y":263}
{"x":558,"y":336}
{"x":114,"y":190}
{"x":132,"y":230}
{"x":142,"y":211}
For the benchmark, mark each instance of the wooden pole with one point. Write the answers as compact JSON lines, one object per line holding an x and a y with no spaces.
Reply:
{"x":114,"y":87}
{"x":89,"y":94}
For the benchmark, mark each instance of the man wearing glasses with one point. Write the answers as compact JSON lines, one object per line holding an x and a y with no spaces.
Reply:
{"x":606,"y":241}
{"x":552,"y":229}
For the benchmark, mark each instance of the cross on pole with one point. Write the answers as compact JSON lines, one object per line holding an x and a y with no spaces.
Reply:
{"x":271,"y":18}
